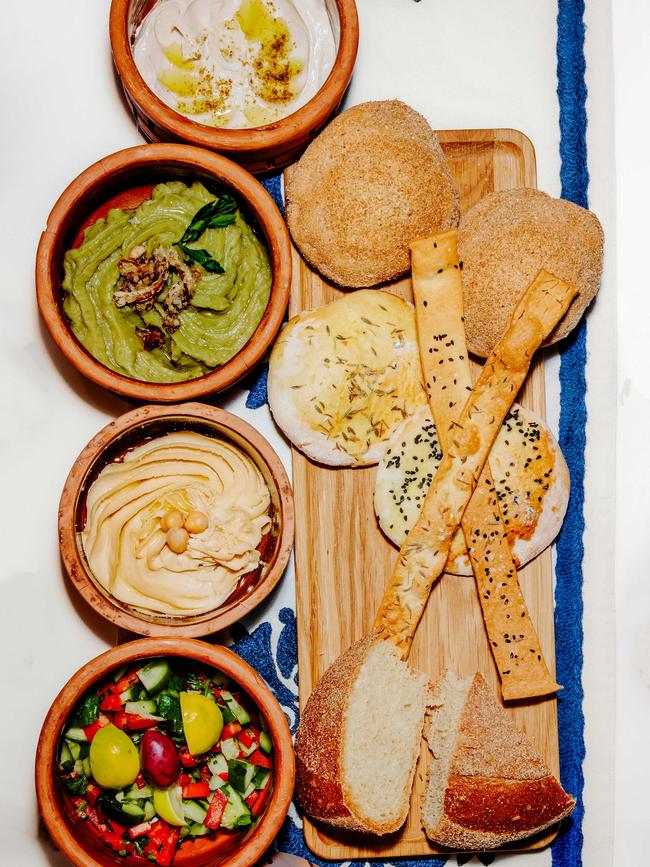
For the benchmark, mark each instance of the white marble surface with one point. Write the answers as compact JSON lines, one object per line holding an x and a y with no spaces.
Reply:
{"x":463,"y":64}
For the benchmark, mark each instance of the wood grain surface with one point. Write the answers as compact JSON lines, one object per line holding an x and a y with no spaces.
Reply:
{"x":343,"y":561}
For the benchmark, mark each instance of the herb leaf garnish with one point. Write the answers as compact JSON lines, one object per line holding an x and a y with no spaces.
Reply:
{"x":202,"y":258}
{"x":214,"y":215}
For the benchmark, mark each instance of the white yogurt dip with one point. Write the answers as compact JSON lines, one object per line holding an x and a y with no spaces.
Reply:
{"x":235,"y":63}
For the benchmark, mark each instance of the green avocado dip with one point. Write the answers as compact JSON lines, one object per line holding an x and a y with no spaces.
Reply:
{"x":170,"y":290}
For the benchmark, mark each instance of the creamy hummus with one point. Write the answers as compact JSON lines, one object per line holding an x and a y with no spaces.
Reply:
{"x":235,"y":63}
{"x":124,"y":539}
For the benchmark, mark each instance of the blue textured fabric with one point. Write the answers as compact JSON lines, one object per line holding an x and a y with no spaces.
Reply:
{"x":572,"y":95}
{"x":257,"y":385}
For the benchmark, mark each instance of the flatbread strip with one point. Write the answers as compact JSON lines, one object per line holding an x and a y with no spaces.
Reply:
{"x":423,"y":555}
{"x":438,"y":293}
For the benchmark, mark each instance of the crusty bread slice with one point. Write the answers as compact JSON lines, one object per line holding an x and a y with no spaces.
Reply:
{"x":487,"y":785}
{"x":359,"y":738}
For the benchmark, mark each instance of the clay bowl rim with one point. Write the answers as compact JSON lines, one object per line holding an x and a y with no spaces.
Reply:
{"x":215,"y":656}
{"x":67,"y":214}
{"x":256,"y":139}
{"x":73,"y":490}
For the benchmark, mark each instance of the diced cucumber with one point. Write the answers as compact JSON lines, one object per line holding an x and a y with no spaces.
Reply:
{"x":79,"y":768}
{"x":216,"y":782}
{"x":194,"y":811}
{"x":136,"y":794}
{"x":249,"y":791}
{"x":75,"y":734}
{"x":75,"y":749}
{"x":240,"y":774}
{"x":130,"y":693}
{"x":119,"y":673}
{"x":240,"y":712}
{"x":197,"y":830}
{"x":66,"y":754}
{"x":84,"y":750}
{"x":86,"y":766}
{"x":236,"y":814}
{"x":149,"y":811}
{"x":266,"y":744}
{"x":227,"y":714}
{"x":133,"y":809}
{"x":142,"y":708}
{"x":218,"y":764}
{"x":230,"y":748}
{"x":120,"y":796}
{"x":261,"y":778}
{"x":155,"y":675}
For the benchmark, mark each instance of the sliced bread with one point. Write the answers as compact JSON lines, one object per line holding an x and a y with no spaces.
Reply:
{"x":359,"y":738}
{"x":487,"y":785}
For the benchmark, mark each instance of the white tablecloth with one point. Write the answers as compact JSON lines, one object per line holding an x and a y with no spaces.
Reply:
{"x":462,"y":64}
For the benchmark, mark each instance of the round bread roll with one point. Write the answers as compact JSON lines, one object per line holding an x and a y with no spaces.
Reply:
{"x":344,"y":375}
{"x":529,"y":471}
{"x":505,"y":239}
{"x":373,"y":181}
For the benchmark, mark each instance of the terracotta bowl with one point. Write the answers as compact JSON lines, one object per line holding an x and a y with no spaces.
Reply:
{"x":70,"y":834}
{"x":124,"y":180}
{"x":132,"y":429}
{"x":261,"y":149}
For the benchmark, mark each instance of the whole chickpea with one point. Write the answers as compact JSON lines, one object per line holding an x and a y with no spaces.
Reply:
{"x":196,"y":522}
{"x":177,"y":539}
{"x":170,"y":519}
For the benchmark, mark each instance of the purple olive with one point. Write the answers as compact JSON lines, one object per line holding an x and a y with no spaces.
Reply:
{"x":159,"y":759}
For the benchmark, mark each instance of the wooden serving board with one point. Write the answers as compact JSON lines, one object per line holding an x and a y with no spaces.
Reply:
{"x":343,"y":561}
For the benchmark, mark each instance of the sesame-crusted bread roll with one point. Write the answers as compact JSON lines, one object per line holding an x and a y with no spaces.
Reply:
{"x":373,"y":181}
{"x":505,"y":239}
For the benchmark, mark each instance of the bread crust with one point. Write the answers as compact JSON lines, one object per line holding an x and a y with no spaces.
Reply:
{"x":374,"y":180}
{"x":504,"y":239}
{"x":481,"y":813}
{"x":319,"y":742}
{"x":499,"y":790}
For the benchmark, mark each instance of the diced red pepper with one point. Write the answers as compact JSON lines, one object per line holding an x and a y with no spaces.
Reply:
{"x":124,"y":683}
{"x":93,"y":817}
{"x":91,"y":730}
{"x":224,"y":775}
{"x":246,"y":738}
{"x":111,"y":702}
{"x":255,"y":733}
{"x":117,"y":827}
{"x":216,"y":692}
{"x":133,"y":721}
{"x":205,"y":773}
{"x":159,"y":832}
{"x":187,"y":759}
{"x":113,"y":840}
{"x":139,"y":830}
{"x":140,"y":781}
{"x":258,"y":758}
{"x":184,"y":779}
{"x":216,"y":809}
{"x":250,"y":800}
{"x":230,"y":730}
{"x":260,"y":803}
{"x":168,"y":850}
{"x":196,"y":790}
{"x":92,"y":793}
